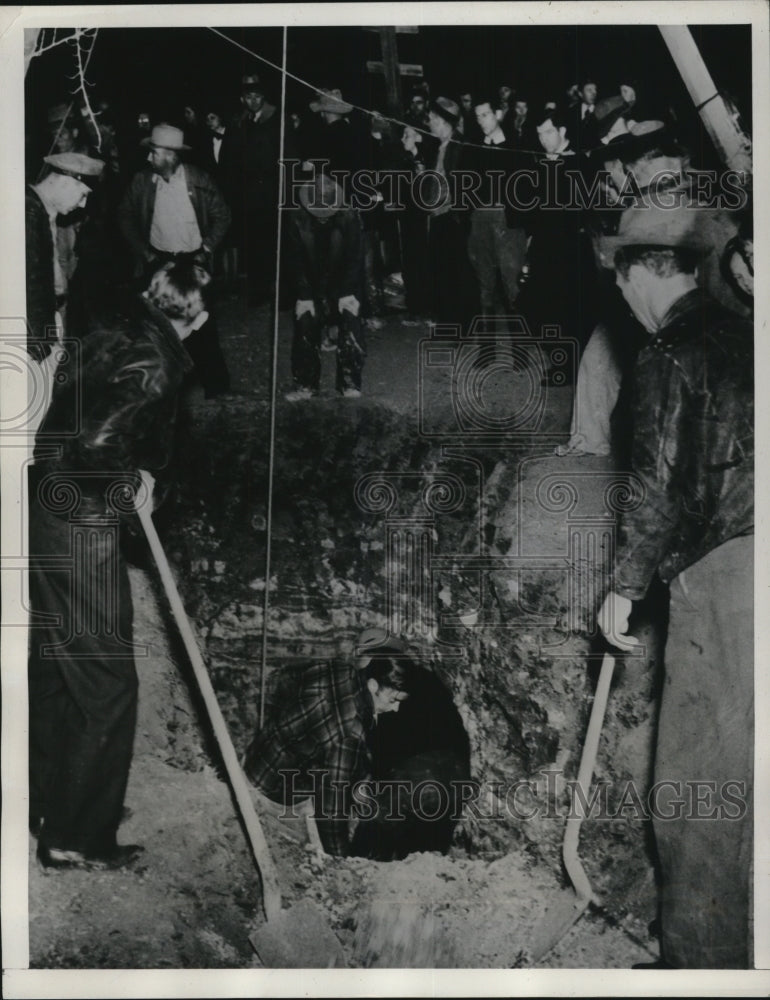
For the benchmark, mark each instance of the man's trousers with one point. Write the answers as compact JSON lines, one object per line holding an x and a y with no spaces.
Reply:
{"x":705,"y":749}
{"x":306,"y":350}
{"x":82,"y":680}
{"x":497,"y":254}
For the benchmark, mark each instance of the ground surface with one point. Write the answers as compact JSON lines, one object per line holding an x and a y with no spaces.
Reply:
{"x":195,"y":899}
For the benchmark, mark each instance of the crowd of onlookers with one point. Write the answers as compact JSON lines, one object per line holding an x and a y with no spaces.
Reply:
{"x":431,"y":255}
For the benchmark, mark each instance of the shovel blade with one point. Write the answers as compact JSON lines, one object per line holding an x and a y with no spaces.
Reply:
{"x":554,"y":924}
{"x":299,"y":938}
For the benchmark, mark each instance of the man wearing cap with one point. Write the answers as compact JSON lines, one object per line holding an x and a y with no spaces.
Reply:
{"x":325,"y":245}
{"x":253,"y":150}
{"x":173,"y":211}
{"x":318,"y":742}
{"x":693,"y":450}
{"x":64,"y":189}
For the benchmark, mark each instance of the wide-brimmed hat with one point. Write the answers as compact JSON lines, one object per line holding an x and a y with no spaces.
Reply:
{"x":331,"y":100}
{"x":78,"y":165}
{"x":321,"y":197}
{"x":607,"y":112}
{"x":640,"y":138}
{"x":654,"y":225}
{"x":166,"y":137}
{"x":449,"y":110}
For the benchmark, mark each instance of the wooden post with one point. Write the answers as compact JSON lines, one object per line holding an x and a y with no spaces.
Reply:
{"x":732,"y":145}
{"x":389,"y":48}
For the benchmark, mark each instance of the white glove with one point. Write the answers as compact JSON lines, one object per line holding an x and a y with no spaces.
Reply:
{"x":613,"y":621}
{"x":148,"y":482}
{"x":410,"y":138}
{"x":349,"y":303}
{"x":304,"y":306}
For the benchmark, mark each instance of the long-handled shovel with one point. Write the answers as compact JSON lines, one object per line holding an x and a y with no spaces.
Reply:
{"x":557,"y":921}
{"x":299,"y":936}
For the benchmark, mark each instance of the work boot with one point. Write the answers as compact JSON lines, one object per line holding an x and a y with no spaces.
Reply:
{"x":298,"y":395}
{"x":119,"y":856}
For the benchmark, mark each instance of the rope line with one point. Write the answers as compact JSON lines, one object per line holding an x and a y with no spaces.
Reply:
{"x":273,"y":393}
{"x":390,"y":118}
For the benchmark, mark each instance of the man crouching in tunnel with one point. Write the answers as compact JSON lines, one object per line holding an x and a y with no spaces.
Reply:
{"x":319,"y":744}
{"x":355,"y":732}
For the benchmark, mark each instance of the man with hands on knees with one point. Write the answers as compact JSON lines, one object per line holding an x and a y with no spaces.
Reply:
{"x":694,"y":454}
{"x":326,"y":250}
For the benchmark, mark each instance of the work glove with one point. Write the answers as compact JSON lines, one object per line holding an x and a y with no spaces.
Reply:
{"x":409,"y":140}
{"x":613,"y":621}
{"x":304,"y":306}
{"x":349,"y":303}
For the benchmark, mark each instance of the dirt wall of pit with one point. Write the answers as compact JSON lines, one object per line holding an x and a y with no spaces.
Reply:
{"x":490,"y":557}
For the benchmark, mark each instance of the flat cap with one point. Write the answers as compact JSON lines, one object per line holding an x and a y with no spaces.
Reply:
{"x":374,"y":641}
{"x":76,"y":165}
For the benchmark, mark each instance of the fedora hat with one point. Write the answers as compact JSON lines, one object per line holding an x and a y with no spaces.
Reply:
{"x":448,"y":110}
{"x":166,"y":137}
{"x":321,"y":197}
{"x":250,"y":82}
{"x":331,"y":100}
{"x":640,"y":138}
{"x":654,"y":225}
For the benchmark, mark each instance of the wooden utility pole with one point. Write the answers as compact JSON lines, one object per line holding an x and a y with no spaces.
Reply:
{"x":391,"y":68}
{"x":733,"y":146}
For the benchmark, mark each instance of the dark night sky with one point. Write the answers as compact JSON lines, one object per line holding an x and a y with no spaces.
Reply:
{"x":164,"y":68}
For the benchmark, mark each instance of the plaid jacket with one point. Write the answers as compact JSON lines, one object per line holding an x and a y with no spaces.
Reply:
{"x":324,"y":728}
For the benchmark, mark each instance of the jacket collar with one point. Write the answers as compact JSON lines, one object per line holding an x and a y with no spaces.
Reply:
{"x":683,"y":305}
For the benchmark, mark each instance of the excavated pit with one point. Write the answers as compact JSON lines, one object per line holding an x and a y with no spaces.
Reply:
{"x":489,"y":556}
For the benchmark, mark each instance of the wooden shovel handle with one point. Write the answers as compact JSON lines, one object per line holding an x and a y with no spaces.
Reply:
{"x":572,"y":862}
{"x":238,"y":783}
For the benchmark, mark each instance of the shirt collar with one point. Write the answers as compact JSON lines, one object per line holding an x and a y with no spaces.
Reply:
{"x":179,"y":172}
{"x":496,"y":138}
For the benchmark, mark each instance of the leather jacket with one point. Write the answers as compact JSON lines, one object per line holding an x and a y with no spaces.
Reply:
{"x":693,"y":443}
{"x":41,"y":295}
{"x":113,"y":411}
{"x":136,"y":209}
{"x":327,"y":258}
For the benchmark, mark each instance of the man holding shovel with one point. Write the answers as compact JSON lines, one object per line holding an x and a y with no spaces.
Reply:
{"x":112,"y":414}
{"x":693,"y":450}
